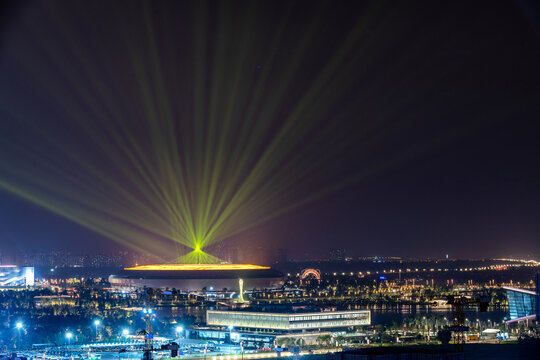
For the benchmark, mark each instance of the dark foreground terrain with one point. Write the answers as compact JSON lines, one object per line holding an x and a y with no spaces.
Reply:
{"x":470,"y":352}
{"x":502,"y":351}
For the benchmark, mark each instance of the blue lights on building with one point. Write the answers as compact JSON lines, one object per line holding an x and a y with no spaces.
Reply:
{"x":11,"y":275}
{"x":537,"y":296}
{"x":523,"y":304}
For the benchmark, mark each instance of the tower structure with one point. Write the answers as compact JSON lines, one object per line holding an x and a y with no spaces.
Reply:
{"x":148,"y":334}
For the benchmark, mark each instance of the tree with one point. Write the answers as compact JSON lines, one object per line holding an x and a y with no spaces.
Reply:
{"x":324,"y":340}
{"x":340,"y":339}
{"x":444,"y":336}
{"x":284,"y":341}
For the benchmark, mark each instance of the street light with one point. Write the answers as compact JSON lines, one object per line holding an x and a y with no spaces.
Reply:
{"x":69,"y":336}
{"x":242,"y":348}
{"x":19,"y":326}
{"x":425,"y":326}
{"x":179,"y":330}
{"x":230,"y":327}
{"x":96,"y":323}
{"x":125,"y":332}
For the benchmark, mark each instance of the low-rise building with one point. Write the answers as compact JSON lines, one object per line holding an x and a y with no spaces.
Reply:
{"x":260,"y":329}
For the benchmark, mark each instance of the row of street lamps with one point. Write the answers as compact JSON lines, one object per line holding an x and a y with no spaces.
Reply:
{"x":69,"y":335}
{"x":97,"y":322}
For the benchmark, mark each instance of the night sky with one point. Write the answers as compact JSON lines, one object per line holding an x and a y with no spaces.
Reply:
{"x":422,"y":140}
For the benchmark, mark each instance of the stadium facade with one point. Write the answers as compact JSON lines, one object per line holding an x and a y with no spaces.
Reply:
{"x":193,"y":278}
{"x":12,"y":275}
{"x":523,"y":304}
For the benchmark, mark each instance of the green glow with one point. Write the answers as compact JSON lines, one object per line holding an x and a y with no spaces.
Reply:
{"x":200,"y":267}
{"x":198,"y":257}
{"x":162,"y":184}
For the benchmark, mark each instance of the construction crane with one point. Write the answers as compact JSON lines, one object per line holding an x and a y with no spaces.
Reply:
{"x":459,"y":302}
{"x":148,"y":333}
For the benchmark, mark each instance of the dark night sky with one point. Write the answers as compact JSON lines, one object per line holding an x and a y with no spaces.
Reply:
{"x":454,"y":88}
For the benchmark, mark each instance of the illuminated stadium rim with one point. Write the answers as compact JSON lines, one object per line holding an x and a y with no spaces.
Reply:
{"x":202,"y":267}
{"x":523,"y":291}
{"x":528,"y":317}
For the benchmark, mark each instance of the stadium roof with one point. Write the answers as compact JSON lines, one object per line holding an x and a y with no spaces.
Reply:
{"x":197,"y":267}
{"x":523,"y":291}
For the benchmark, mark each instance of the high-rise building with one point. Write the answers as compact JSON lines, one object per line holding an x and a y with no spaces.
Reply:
{"x":337,"y":254}
{"x":282,"y":255}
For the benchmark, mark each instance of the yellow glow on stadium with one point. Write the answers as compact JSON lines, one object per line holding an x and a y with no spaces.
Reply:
{"x":186,"y":267}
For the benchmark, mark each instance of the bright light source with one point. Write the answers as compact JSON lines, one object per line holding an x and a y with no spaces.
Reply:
{"x":191,"y":267}
{"x":97,"y":322}
{"x":125,"y":332}
{"x":179,"y":329}
{"x":231,"y":327}
{"x":18,"y":325}
{"x":69,"y":335}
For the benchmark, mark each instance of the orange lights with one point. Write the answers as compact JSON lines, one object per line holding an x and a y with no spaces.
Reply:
{"x":187,"y":267}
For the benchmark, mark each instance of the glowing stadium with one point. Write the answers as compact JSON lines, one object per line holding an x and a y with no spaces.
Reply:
{"x":195,"y":277}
